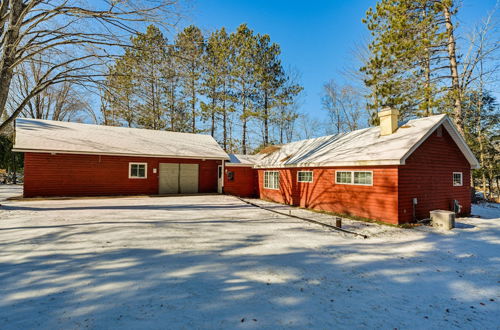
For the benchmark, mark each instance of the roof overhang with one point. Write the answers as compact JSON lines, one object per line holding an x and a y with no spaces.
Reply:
{"x":115,"y":154}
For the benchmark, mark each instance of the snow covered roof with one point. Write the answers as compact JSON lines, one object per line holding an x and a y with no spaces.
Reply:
{"x":243,"y":160}
{"x":362,"y":147}
{"x":33,"y":135}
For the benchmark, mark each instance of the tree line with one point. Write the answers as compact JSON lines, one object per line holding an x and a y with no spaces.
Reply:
{"x":415,"y":63}
{"x":229,"y":85}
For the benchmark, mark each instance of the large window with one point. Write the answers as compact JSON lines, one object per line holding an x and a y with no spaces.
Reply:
{"x":305,"y":176}
{"x":364,"y":178}
{"x":137,"y":170}
{"x":271,"y":179}
{"x":457,"y":179}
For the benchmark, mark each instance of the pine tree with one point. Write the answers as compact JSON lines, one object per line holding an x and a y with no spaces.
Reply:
{"x":175,"y":105}
{"x":270,"y":78}
{"x":407,"y":49}
{"x":217,"y":82}
{"x":242,"y":59}
{"x":120,"y":91}
{"x":190,"y":46}
{"x":146,"y":59}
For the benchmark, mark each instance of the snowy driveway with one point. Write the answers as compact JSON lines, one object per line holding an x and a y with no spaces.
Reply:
{"x":215,"y":262}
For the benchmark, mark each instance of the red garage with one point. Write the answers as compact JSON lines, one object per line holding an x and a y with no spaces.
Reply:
{"x":72,"y":159}
{"x":388,"y":173}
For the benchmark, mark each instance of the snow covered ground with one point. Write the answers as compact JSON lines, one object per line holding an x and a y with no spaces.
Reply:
{"x":216,"y":262}
{"x":10,"y":190}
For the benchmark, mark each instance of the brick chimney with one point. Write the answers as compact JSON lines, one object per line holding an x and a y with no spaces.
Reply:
{"x":388,"y":121}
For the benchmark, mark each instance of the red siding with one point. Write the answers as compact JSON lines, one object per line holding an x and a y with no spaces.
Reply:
{"x":428,"y":176}
{"x":93,"y":175}
{"x":244,"y":183}
{"x":375,"y":202}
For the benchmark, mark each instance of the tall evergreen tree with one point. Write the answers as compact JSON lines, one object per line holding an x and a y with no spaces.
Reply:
{"x":190,"y":47}
{"x":175,"y":105}
{"x":120,"y":91}
{"x":217,"y":82}
{"x":405,"y":66}
{"x":243,"y":56}
{"x":146,"y":59}
{"x":270,"y":78}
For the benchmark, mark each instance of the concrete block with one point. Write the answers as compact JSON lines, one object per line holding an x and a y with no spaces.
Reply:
{"x":443,"y":219}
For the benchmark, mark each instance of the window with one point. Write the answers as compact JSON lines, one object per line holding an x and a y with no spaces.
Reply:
{"x":457,"y":179}
{"x":271,"y":180}
{"x":364,"y":178}
{"x":305,"y":176}
{"x":344,"y":177}
{"x":137,"y":170}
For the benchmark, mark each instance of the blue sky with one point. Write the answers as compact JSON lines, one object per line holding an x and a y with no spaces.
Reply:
{"x":316,"y":37}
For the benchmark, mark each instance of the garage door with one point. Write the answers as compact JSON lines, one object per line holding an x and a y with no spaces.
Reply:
{"x":178,"y":178}
{"x":169,"y":178}
{"x":189,"y":178}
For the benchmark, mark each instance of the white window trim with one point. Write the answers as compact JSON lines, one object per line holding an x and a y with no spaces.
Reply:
{"x":312,"y":176}
{"x":264,"y":179}
{"x":461,"y":179}
{"x":137,"y":177}
{"x":352,"y":178}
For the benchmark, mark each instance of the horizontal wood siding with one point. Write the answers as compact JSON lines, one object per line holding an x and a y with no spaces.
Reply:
{"x":93,"y":175}
{"x":244,"y":183}
{"x":377,"y":202}
{"x":428,"y":176}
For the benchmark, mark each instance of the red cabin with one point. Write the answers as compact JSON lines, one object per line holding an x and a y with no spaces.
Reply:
{"x":388,"y":173}
{"x":72,"y":159}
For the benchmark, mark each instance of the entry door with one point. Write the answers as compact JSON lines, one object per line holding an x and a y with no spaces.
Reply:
{"x":169,"y":178}
{"x":189,"y":178}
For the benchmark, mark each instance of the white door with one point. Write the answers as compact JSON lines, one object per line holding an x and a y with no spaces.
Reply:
{"x":220,"y":178}
{"x":188,"y":178}
{"x":169,"y":178}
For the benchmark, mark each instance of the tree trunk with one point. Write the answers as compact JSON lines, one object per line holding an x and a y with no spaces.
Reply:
{"x":193,"y":105}
{"x":9,"y":52}
{"x":244,"y":138}
{"x":282,"y":124}
{"x":153,"y":103}
{"x":338,"y":121}
{"x":266,"y":119}
{"x":212,"y":128}
{"x":427,"y":86}
{"x":224,"y":125}
{"x":457,"y":108}
{"x":498,"y":189}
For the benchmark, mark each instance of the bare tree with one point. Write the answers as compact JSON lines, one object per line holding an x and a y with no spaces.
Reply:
{"x":308,"y":127}
{"x":62,"y":101}
{"x":480,"y":70}
{"x":73,"y":38}
{"x":344,"y":105}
